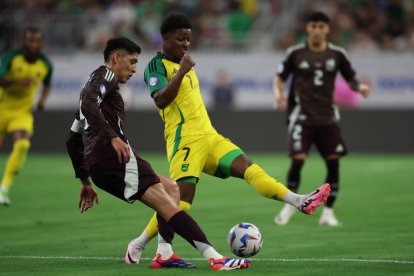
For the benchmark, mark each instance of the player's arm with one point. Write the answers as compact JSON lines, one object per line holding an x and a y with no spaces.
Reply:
{"x":25,"y":82}
{"x":75,"y":148}
{"x":43,"y":96}
{"x":349,"y":75}
{"x":279,"y":91}
{"x":164,"y":96}
{"x":283,"y":72}
{"x":46,"y":86}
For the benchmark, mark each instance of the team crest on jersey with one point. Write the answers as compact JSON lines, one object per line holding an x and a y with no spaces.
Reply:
{"x":184,"y":167}
{"x":304,"y":65}
{"x":330,"y":64}
{"x":153,"y":81}
{"x":102,"y":88}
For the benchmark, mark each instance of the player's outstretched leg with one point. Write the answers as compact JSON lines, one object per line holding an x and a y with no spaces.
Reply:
{"x":227,"y":263}
{"x":314,"y":199}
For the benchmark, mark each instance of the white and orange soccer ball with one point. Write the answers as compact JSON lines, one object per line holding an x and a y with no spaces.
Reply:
{"x":245,"y":239}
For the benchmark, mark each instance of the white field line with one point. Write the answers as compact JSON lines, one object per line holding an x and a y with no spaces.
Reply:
{"x":340,"y":260}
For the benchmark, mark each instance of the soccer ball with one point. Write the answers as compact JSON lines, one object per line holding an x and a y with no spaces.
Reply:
{"x":245,"y":239}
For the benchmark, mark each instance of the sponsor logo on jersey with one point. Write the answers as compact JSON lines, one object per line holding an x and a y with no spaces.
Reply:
{"x":153,"y":81}
{"x":330,"y":64}
{"x":304,"y":65}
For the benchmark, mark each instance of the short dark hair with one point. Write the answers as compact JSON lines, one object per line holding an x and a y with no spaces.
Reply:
{"x":318,"y":16}
{"x":31,"y":30}
{"x":120,"y":43}
{"x":173,"y":22}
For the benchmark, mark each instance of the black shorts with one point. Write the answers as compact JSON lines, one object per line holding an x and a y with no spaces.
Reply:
{"x":327,"y":139}
{"x":125,"y":181}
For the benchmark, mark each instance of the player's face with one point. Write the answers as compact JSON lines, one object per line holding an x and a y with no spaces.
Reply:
{"x":317,"y":32}
{"x":125,"y":65}
{"x":32,"y":43}
{"x":176,"y":43}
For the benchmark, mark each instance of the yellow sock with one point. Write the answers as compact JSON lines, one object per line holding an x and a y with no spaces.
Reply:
{"x":15,"y":162}
{"x":265,"y":184}
{"x":152,"y":227}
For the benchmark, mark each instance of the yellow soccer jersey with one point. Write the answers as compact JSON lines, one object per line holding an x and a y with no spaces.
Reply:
{"x":15,"y":66}
{"x":187,"y":114}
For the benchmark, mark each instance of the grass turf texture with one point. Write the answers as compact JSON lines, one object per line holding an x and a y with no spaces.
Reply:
{"x":42,"y":232}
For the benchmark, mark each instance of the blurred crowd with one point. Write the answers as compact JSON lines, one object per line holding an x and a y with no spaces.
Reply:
{"x":245,"y":25}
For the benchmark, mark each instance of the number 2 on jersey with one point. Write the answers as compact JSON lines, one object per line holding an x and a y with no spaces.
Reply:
{"x":317,"y":79}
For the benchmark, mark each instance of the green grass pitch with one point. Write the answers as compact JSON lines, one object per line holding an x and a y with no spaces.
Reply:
{"x":43,"y":233}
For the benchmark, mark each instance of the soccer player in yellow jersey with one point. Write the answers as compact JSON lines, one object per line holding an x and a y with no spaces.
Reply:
{"x":22,"y":72}
{"x":193,"y":145}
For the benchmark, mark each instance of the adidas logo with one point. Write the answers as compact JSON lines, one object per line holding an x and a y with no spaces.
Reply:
{"x":339,"y":148}
{"x":304,"y":65}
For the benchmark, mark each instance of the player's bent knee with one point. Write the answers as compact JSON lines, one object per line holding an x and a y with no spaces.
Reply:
{"x":170,"y":186}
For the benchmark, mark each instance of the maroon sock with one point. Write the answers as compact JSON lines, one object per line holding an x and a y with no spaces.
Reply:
{"x":186,"y":227}
{"x":165,"y":229}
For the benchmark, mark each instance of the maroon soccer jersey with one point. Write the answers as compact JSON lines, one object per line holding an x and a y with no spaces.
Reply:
{"x":102,"y":115}
{"x":313,"y":82}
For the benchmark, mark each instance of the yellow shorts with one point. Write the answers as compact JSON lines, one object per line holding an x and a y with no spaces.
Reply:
{"x":10,"y":122}
{"x":211,"y":154}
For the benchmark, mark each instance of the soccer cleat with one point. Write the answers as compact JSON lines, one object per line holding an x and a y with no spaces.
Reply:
{"x":285,"y":214}
{"x":133,"y":253}
{"x":227,"y":263}
{"x":4,"y":198}
{"x":328,"y":218}
{"x":174,"y":261}
{"x":313,"y":200}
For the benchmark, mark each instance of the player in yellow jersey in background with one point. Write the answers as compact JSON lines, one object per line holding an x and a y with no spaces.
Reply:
{"x":22,"y":72}
{"x":193,"y":145}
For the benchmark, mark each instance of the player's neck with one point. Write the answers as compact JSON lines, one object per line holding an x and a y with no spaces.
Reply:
{"x":318,"y":47}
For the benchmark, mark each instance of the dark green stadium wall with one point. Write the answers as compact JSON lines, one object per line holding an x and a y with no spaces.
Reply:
{"x":367,"y":131}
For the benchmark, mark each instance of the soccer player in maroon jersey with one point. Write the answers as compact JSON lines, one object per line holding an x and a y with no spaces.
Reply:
{"x":101,"y":153}
{"x":312,"y":115}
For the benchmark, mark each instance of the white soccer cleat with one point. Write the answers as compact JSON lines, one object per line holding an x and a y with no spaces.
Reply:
{"x":4,"y":198}
{"x":133,"y":253}
{"x":328,"y":218}
{"x":285,"y":214}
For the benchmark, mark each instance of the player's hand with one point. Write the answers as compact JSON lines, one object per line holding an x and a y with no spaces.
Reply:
{"x":280,"y":102}
{"x":25,"y":82}
{"x":87,"y":197}
{"x":122,"y":149}
{"x":364,"y":90}
{"x":186,"y":63}
{"x":40,"y":105}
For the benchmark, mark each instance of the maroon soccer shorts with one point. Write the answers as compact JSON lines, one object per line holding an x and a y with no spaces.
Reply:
{"x":125,"y":181}
{"x":327,"y":139}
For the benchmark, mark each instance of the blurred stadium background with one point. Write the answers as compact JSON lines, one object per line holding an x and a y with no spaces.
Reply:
{"x":246,"y":40}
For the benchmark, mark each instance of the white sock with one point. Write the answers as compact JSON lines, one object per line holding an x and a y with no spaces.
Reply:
{"x":142,"y":240}
{"x":293,"y":199}
{"x":210,"y":252}
{"x":164,"y":248}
